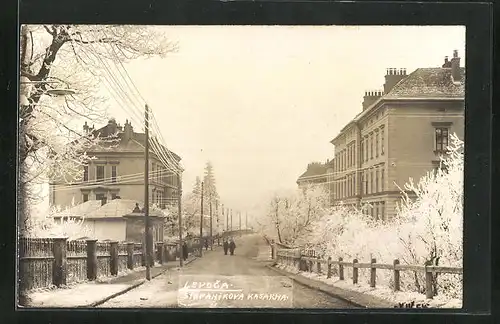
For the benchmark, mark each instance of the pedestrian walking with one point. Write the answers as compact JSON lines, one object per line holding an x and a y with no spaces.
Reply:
{"x":184,"y":251}
{"x":225,"y":246}
{"x":232,"y":246}
{"x":206,"y":244}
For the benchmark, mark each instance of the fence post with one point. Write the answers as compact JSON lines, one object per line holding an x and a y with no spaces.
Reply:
{"x":373,"y":273}
{"x":329,"y":268}
{"x":428,"y":284}
{"x":113,"y":260}
{"x":341,"y":269}
{"x":396,"y":276}
{"x":319,"y":265}
{"x":59,"y":272}
{"x":354,"y":271}
{"x":159,"y":248}
{"x":130,"y":255}
{"x":91,"y":259}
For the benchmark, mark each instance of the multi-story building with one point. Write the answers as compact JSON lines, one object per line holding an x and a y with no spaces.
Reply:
{"x":400,"y":134}
{"x":118,"y":171}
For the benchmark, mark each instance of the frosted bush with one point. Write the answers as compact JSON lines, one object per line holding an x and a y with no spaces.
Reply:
{"x":427,"y":230}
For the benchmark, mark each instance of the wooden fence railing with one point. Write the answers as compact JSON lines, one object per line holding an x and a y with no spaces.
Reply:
{"x":308,"y":261}
{"x":44,"y":262}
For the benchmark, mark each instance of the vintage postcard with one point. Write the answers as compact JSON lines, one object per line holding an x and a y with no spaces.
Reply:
{"x":241,"y":166}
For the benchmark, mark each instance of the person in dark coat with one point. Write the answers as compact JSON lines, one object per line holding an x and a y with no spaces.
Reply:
{"x":206,"y":244}
{"x":184,"y":251}
{"x":232,"y":247}
{"x":225,"y":246}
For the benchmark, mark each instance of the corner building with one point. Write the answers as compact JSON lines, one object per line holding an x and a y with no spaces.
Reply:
{"x":401,"y":133}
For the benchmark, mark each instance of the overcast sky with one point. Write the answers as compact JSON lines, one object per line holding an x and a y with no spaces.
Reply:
{"x":262,"y":102}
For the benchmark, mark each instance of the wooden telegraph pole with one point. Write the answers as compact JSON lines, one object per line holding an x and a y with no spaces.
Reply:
{"x":211,"y":222}
{"x":227,"y":219}
{"x":231,"y":219}
{"x":179,"y":207}
{"x":201,"y":222}
{"x":147,"y":229}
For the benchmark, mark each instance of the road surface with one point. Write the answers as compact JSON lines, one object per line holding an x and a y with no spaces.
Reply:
{"x":224,"y":281}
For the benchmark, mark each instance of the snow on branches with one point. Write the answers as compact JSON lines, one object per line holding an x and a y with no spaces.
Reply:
{"x":427,"y":229}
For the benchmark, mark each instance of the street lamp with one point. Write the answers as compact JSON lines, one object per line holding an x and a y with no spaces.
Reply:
{"x":26,"y":89}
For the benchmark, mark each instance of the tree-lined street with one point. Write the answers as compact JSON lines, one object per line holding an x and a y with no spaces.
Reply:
{"x":247,"y":270}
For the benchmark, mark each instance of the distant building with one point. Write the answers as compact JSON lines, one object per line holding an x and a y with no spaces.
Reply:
{"x":118,"y":171}
{"x":314,"y":175}
{"x":401,"y":132}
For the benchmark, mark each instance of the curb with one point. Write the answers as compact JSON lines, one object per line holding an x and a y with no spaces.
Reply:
{"x":105,"y":299}
{"x":329,"y":293}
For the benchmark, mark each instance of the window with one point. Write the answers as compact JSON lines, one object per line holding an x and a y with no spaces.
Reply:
{"x":376,"y":180}
{"x":362,"y":150}
{"x":113,"y":173}
{"x":85,"y":197}
{"x":382,"y":147}
{"x":382,"y":179}
{"x":372,"y":190}
{"x":371,"y":146}
{"x":382,"y":210}
{"x":376,"y":144}
{"x":113,"y":196}
{"x":366,"y":182}
{"x":363,"y":183}
{"x":99,"y":196}
{"x":376,"y":211}
{"x":441,"y":139}
{"x":86,"y":173}
{"x":100,"y":172}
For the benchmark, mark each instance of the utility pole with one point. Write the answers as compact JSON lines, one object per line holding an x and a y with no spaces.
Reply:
{"x":246,"y":220}
{"x":211,"y":222}
{"x":231,"y":219}
{"x":201,"y":222}
{"x":217,"y":214}
{"x":147,"y":230}
{"x":227,"y":219}
{"x":239,"y":215}
{"x":179,"y":207}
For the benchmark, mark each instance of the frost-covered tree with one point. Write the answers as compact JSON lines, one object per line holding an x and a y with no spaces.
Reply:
{"x":75,"y":57}
{"x":209,"y":183}
{"x":427,"y":230}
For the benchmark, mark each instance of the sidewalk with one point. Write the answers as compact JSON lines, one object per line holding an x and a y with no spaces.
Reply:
{"x":90,"y":294}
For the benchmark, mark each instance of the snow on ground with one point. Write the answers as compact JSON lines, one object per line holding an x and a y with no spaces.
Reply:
{"x":380,"y":292}
{"x":159,"y":292}
{"x":86,"y":294}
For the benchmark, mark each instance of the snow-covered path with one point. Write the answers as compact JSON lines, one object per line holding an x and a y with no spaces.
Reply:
{"x":249,"y":283}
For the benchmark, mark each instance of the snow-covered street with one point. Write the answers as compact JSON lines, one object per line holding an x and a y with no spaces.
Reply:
{"x":218,"y":280}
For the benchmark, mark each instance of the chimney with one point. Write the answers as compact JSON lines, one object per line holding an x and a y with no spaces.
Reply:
{"x":128,"y":131}
{"x":112,"y":127}
{"x":455,"y":67}
{"x":370,"y":97}
{"x":86,"y":128}
{"x":447,"y":63}
{"x":392,"y":77}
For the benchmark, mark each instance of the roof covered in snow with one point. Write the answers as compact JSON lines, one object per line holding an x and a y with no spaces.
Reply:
{"x":429,"y":83}
{"x":81,"y":210}
{"x":118,"y":208}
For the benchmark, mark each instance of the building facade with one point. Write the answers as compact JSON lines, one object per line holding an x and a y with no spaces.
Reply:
{"x":118,"y":171}
{"x":401,"y":133}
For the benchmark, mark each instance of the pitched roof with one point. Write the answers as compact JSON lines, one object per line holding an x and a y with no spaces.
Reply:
{"x":314,"y":170}
{"x":135,"y":144}
{"x":423,"y":83}
{"x":428,"y":83}
{"x":118,"y":208}
{"x":81,"y":210}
